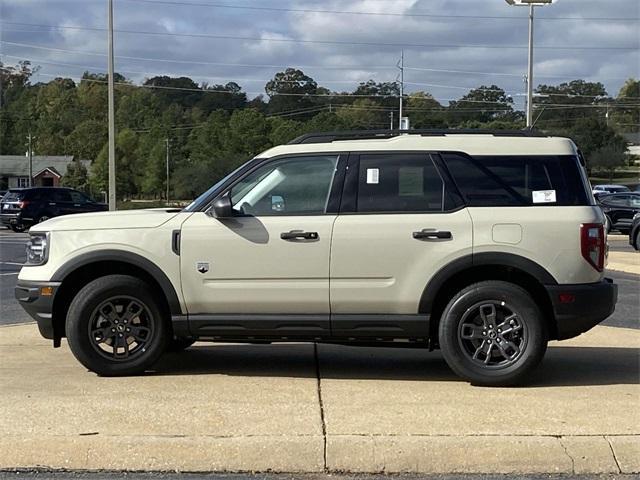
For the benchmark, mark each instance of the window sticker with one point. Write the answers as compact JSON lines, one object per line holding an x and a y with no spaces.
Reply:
{"x":373,"y":175}
{"x":544,"y":196}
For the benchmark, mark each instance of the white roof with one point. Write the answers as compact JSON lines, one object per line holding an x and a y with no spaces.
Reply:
{"x":473,"y":144}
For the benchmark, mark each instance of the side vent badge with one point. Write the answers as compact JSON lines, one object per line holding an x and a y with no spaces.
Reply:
{"x":202,"y":267}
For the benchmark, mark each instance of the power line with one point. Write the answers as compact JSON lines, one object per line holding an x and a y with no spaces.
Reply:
{"x":383,"y":14}
{"x":337,"y":42}
{"x":196,"y":62}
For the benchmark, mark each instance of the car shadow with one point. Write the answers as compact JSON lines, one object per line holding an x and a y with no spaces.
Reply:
{"x":562,"y":366}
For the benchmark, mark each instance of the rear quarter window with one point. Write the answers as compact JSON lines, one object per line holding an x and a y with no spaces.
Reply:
{"x":487,"y":181}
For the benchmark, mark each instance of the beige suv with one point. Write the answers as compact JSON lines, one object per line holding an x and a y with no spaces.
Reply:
{"x":484,"y":245}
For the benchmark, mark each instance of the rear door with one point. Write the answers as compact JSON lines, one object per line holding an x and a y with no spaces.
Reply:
{"x":399,"y":224}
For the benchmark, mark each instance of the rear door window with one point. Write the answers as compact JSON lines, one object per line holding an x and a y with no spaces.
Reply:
{"x":60,"y":196}
{"x":399,"y":183}
{"x":487,"y":181}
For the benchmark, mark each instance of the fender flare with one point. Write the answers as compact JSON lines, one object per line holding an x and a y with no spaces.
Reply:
{"x":501,"y":259}
{"x":127,"y":257}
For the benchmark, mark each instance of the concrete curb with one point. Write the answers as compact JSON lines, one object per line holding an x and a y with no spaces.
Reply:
{"x":484,"y":454}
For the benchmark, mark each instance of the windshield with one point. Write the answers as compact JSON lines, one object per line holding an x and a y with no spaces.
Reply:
{"x":202,"y":199}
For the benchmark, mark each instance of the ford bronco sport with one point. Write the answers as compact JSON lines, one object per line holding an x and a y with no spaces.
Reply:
{"x":484,"y":245}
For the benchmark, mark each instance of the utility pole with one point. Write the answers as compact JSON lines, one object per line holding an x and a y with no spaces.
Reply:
{"x":30,"y":153}
{"x":167,"y":143}
{"x":112,"y":122}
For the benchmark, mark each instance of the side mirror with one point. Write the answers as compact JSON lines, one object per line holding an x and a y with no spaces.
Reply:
{"x":222,"y":207}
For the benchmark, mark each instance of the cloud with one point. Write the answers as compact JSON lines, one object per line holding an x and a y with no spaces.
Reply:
{"x":173,"y":54}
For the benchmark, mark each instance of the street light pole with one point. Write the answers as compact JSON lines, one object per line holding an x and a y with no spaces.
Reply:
{"x":112,"y":122}
{"x":531,"y":4}
{"x":530,"y":71}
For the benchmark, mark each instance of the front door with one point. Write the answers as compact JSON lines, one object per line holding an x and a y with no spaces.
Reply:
{"x":398,"y":226}
{"x":266,"y":269}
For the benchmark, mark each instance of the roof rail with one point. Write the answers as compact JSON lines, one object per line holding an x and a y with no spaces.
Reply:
{"x":328,"y":137}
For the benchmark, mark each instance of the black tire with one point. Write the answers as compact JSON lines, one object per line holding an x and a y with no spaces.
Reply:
{"x":107,"y":306}
{"x":636,"y":241}
{"x":607,"y":224}
{"x":470,"y":324}
{"x":43,"y":218}
{"x":179,"y":344}
{"x":18,"y":228}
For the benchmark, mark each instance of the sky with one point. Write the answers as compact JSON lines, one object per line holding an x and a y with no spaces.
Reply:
{"x":450,"y":46}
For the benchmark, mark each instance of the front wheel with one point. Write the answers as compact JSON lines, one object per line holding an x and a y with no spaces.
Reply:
{"x":492,"y":333}
{"x":115,"y":326}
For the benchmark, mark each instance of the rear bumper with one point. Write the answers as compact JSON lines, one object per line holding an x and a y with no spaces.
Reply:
{"x":578,"y":308}
{"x":39,"y":306}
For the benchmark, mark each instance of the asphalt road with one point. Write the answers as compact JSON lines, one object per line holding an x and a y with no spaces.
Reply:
{"x":12,"y":255}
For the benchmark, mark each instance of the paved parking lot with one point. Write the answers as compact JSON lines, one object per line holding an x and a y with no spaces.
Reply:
{"x":319,"y":408}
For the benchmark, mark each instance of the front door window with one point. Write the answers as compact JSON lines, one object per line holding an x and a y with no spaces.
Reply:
{"x":292,"y":186}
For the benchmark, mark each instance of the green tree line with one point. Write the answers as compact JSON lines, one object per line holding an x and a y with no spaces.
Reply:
{"x":213,"y":128}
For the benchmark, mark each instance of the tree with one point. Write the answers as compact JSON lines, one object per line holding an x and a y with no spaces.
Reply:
{"x":483,"y":104}
{"x":288,"y":91}
{"x":424,"y":111}
{"x":626,"y":114}
{"x":76,"y":177}
{"x":608,"y":158}
{"x":363,"y":114}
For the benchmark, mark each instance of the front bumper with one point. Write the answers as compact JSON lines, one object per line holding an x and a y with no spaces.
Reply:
{"x":578,"y":308}
{"x":9,"y":219}
{"x":37,"y":300}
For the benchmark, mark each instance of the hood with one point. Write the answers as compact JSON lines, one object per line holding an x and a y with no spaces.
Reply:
{"x":107,"y":220}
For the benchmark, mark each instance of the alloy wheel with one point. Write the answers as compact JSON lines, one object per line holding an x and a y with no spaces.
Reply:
{"x":492,"y":334}
{"x":121,"y":328}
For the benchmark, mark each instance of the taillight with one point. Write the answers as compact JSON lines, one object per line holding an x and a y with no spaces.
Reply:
{"x":593,"y":245}
{"x":23,"y":204}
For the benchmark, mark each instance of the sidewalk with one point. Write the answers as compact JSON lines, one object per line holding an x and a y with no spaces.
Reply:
{"x":263,"y":408}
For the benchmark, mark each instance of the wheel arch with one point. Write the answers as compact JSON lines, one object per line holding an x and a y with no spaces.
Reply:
{"x":470,"y":269}
{"x":76,"y":273}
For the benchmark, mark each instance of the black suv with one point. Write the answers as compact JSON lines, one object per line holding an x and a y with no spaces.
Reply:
{"x":619,"y":209}
{"x":22,"y":207}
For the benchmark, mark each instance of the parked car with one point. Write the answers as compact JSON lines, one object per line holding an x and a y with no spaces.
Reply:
{"x":21,"y":208}
{"x":634,"y":233}
{"x":603,"y":189}
{"x":476,"y":244}
{"x":619,"y":209}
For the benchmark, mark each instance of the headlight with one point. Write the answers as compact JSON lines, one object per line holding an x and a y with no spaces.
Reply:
{"x":38,"y":248}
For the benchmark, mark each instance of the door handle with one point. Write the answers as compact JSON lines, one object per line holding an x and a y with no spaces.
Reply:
{"x":52,"y":203}
{"x":295,"y":234}
{"x":431,"y":234}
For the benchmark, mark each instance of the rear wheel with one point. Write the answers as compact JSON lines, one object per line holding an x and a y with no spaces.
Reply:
{"x":115,"y":326}
{"x":18,"y":228}
{"x":493,"y":333}
{"x":636,"y":241}
{"x":43,"y":218}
